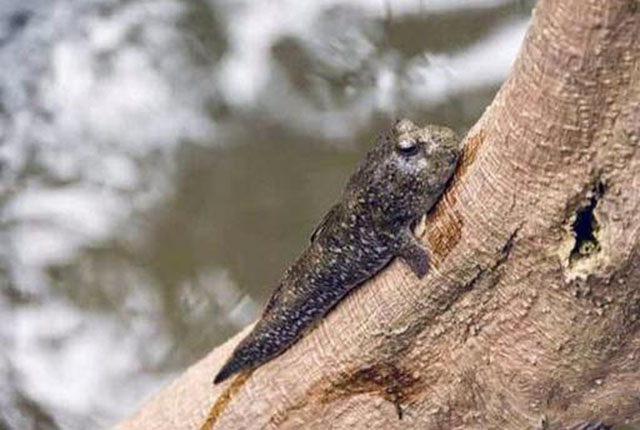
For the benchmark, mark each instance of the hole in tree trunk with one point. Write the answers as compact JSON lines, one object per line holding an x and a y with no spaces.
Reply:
{"x":585,"y":228}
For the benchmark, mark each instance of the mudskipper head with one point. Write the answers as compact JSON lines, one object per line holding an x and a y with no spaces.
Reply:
{"x":406,"y":172}
{"x":425,"y":155}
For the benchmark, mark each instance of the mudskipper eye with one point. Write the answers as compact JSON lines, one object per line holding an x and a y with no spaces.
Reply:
{"x":407,"y":147}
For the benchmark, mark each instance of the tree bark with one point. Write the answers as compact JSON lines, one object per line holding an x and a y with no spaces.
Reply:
{"x":529,"y":317}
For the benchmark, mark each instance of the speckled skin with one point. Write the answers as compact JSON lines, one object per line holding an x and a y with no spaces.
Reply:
{"x":400,"y":180}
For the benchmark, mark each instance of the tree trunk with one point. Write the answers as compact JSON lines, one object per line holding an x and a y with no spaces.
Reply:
{"x":529,"y":317}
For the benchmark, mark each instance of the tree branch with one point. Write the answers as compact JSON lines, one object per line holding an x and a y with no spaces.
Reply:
{"x":530,"y":315}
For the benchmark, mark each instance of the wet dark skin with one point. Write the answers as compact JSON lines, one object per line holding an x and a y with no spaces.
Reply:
{"x":399,"y":180}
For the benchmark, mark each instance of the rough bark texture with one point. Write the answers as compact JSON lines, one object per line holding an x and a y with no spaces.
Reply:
{"x":529,"y":318}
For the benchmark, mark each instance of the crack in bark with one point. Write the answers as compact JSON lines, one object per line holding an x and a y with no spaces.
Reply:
{"x":221,"y":403}
{"x":482,"y":273}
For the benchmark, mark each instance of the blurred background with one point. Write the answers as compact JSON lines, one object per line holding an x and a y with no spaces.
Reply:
{"x":162,"y":162}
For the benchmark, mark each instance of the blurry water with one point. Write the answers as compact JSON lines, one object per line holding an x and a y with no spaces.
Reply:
{"x":162,"y":161}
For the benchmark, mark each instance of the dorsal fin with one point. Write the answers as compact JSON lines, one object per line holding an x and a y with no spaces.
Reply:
{"x":325,"y":220}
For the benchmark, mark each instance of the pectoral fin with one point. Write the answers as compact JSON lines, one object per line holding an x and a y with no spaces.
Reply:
{"x":414,"y":255}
